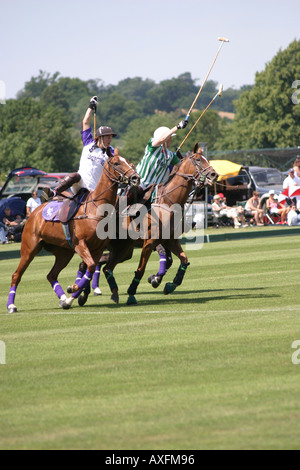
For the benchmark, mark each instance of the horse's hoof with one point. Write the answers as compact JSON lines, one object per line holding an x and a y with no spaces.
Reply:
{"x":72,"y":289}
{"x":131,"y":300}
{"x":115,"y":298}
{"x":12,"y":309}
{"x":82,"y":300}
{"x":169,"y":288}
{"x":155,"y":281}
{"x":66,"y":303}
{"x":97,"y":291}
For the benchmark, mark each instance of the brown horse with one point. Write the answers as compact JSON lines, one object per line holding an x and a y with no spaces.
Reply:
{"x":82,"y":237}
{"x":196,"y":171}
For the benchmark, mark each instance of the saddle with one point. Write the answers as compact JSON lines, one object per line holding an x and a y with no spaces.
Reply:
{"x":63,"y":210}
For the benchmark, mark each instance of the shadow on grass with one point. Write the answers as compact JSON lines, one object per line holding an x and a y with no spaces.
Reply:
{"x":158,"y":299}
{"x":16,"y":253}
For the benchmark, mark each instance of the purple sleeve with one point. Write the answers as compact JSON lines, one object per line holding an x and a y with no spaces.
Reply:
{"x":87,"y":137}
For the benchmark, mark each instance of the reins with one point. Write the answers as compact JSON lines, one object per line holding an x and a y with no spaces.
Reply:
{"x":199,"y":175}
{"x":114,"y":180}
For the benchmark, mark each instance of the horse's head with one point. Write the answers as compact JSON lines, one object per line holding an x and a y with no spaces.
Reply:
{"x":121,"y":171}
{"x":203,"y":174}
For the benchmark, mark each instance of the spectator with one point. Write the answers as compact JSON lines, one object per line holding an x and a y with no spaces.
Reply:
{"x":293,"y":216}
{"x":252,"y":207}
{"x":296,"y":169}
{"x":33,"y":203}
{"x":13,"y":223}
{"x":290,"y":180}
{"x":276,"y":208}
{"x":221,"y":209}
{"x":2,"y":234}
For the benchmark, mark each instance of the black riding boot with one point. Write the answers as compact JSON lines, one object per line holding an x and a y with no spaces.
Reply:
{"x":65,"y":184}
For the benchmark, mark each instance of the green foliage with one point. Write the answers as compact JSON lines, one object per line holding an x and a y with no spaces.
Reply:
{"x":34,"y":133}
{"x":42,"y":127}
{"x":266,"y":116}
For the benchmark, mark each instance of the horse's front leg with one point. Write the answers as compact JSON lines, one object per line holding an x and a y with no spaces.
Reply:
{"x":121,"y":250}
{"x":84,"y":253}
{"x":176,"y":248}
{"x":165,"y":262}
{"x":145,"y":255}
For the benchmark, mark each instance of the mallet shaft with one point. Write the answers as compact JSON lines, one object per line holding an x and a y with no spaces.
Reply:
{"x":208,"y":73}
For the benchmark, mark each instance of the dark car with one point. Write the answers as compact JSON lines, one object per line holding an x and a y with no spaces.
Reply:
{"x":20,"y":185}
{"x":251,"y":178}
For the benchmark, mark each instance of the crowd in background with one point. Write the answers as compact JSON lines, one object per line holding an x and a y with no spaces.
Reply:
{"x":283,"y":209}
{"x":12,"y":224}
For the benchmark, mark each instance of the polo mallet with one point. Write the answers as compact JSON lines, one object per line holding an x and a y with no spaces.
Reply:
{"x":95,"y":123}
{"x":220,"y":92}
{"x":205,"y":80}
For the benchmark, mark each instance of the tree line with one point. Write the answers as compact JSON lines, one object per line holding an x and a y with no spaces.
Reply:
{"x":41,"y":127}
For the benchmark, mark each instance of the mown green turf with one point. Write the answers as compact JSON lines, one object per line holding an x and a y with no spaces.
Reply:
{"x":209,"y":367}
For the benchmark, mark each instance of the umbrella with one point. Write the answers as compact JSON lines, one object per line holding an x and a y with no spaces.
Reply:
{"x":289,"y":193}
{"x":225,"y":168}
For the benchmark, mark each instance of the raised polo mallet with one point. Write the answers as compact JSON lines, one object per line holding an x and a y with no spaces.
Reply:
{"x":208,"y":73}
{"x":220,"y":92}
{"x":95,"y":123}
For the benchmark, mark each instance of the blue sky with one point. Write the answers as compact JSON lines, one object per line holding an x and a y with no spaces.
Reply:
{"x":157,"y":39}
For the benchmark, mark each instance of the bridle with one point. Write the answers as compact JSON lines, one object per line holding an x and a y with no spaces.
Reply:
{"x":122,"y":176}
{"x":203,"y":175}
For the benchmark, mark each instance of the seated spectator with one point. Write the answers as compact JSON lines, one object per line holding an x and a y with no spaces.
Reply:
{"x":220,"y":209}
{"x":276,"y":208}
{"x":293,"y":217}
{"x":2,"y":234}
{"x":32,"y":203}
{"x":252,"y":207}
{"x":13,"y":223}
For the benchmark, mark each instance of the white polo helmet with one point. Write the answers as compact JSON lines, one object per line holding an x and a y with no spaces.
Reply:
{"x":160,"y":132}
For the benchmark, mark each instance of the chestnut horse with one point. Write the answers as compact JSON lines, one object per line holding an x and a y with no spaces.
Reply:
{"x":82,"y":235}
{"x":195,"y":170}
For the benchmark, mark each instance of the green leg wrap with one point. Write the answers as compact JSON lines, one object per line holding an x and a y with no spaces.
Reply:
{"x":134,"y":285}
{"x":111,"y":280}
{"x":171,"y":286}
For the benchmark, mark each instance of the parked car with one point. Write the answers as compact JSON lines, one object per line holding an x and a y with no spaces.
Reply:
{"x":239,"y":184}
{"x":20,"y":184}
{"x":240,"y":187}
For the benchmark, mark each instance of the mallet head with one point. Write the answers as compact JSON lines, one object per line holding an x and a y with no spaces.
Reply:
{"x":223,"y":39}
{"x":221,"y":90}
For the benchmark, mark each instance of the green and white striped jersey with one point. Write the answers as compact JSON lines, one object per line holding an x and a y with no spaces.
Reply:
{"x":154,"y":166}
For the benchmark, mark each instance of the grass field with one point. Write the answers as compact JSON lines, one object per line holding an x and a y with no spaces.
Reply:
{"x":209,"y":367}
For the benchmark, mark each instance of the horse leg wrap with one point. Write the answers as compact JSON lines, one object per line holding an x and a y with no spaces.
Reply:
{"x":58,"y":289}
{"x":135,"y":283}
{"x":171,"y":286}
{"x":111,"y":280}
{"x":96,"y":277}
{"x":12,"y":296}
{"x":83,"y":284}
{"x":180,"y":274}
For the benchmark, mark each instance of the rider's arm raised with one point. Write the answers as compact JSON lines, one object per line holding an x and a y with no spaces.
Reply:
{"x":86,"y":123}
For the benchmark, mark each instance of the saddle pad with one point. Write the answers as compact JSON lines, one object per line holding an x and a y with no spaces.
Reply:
{"x":64,"y":210}
{"x":51,"y":211}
